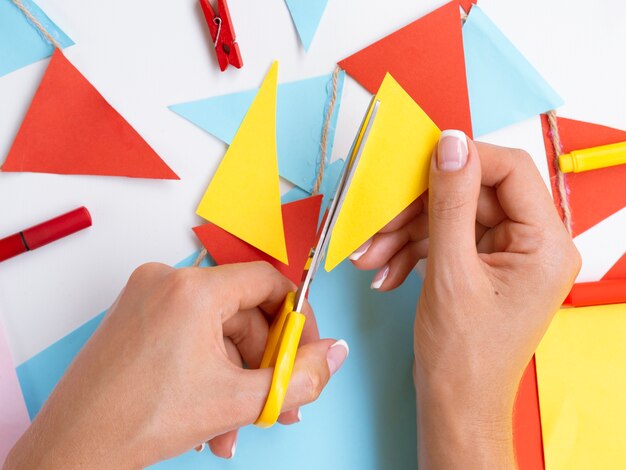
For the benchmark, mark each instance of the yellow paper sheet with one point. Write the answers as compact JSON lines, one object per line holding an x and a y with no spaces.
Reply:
{"x":581,"y":376}
{"x":244,"y":195}
{"x":392,"y":171}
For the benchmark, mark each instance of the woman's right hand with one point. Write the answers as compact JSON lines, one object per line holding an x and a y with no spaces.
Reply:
{"x":500,"y":263}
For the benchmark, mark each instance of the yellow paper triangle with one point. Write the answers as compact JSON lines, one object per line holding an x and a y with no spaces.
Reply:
{"x":244,"y":195}
{"x":391,"y":174}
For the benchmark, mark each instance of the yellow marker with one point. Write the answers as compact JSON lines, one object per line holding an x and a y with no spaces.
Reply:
{"x":593,"y":158}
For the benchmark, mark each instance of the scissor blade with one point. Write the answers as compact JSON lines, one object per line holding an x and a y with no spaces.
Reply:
{"x":317,"y":254}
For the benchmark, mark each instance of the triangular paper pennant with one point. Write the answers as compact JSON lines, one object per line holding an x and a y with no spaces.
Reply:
{"x":467,"y":4}
{"x":306,"y":15}
{"x":504,"y":88}
{"x":301,"y":113}
{"x":426,"y":58}
{"x":593,"y":195}
{"x":300,"y":222}
{"x":244,"y":196}
{"x":21,"y":43}
{"x":391,"y":174}
{"x":71,"y":129}
{"x":618,"y":271}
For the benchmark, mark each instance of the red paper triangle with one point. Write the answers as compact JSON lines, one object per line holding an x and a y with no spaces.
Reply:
{"x":71,"y":129}
{"x":618,"y":271}
{"x":593,"y":195}
{"x":467,"y":4}
{"x":426,"y":58}
{"x":300,"y":222}
{"x":527,"y":422}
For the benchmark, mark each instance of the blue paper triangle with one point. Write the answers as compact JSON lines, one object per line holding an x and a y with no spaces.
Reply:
{"x":301,"y":111}
{"x":503,"y":86}
{"x":306,"y":15}
{"x":21,"y":43}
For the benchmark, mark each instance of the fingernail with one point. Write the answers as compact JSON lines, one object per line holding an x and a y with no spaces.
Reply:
{"x":233,"y":449}
{"x":299,"y":415}
{"x":336,"y":354}
{"x":200,"y":448}
{"x":452,"y":150}
{"x":360,"y":251}
{"x":380,"y":278}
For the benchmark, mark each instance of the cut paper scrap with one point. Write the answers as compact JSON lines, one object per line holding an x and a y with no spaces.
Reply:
{"x":391,"y":174}
{"x":300,"y":222}
{"x":300,"y":116}
{"x":582,"y":384}
{"x":426,"y":58}
{"x":21,"y":43}
{"x":14,"y":418}
{"x":306,"y":15}
{"x":345,"y":307}
{"x":71,"y":129}
{"x":243,"y":197}
{"x":504,"y":88}
{"x":593,"y":195}
{"x":527,"y":422}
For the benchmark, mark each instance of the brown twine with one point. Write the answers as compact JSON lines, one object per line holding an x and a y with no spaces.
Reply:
{"x":560,"y":178}
{"x":36,"y":23}
{"x":324,"y":146}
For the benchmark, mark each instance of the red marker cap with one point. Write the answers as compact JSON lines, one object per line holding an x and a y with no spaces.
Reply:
{"x":44,"y":233}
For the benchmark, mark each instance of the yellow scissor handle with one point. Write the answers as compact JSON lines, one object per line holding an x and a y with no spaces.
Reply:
{"x":280,"y":351}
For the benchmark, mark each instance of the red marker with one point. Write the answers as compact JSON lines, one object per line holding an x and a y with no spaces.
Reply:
{"x":597,"y":293}
{"x":44,"y":233}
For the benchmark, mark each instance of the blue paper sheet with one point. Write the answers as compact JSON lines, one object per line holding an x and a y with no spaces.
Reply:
{"x":21,"y":43}
{"x":301,"y":111}
{"x":306,"y":15}
{"x":503,"y":87}
{"x":365,"y":418}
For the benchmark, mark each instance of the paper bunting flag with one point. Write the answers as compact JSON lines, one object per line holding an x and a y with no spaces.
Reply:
{"x":580,"y":373}
{"x":527,"y":423}
{"x":467,"y":4}
{"x":300,"y":222}
{"x":593,"y":195}
{"x":13,"y":414}
{"x":426,"y":58}
{"x":306,"y":15}
{"x":392,"y":171}
{"x":244,"y":195}
{"x":503,"y":87}
{"x":301,"y":113}
{"x":21,"y":43}
{"x":70,"y":129}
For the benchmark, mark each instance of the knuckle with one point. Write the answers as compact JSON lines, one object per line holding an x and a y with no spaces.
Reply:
{"x":145,"y":272}
{"x":448,"y":207}
{"x":520,"y":156}
{"x":314,"y":385}
{"x":181,"y":282}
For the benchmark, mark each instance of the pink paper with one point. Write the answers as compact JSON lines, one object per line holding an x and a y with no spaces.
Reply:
{"x":14,"y":418}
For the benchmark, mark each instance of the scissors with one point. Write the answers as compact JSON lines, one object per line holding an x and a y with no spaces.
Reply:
{"x":285,"y":332}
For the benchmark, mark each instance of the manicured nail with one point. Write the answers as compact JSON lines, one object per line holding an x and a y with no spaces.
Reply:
{"x":336,"y":354}
{"x":452,"y":150}
{"x":299,"y":415}
{"x":360,"y":251}
{"x":200,"y":448}
{"x":380,"y":278}
{"x":233,"y":449}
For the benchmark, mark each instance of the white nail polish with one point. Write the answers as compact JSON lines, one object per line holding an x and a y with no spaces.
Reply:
{"x":380,"y":278}
{"x":201,"y":447}
{"x":342,"y":343}
{"x":299,"y":415}
{"x":233,"y":449}
{"x":459,"y":135}
{"x":360,"y":251}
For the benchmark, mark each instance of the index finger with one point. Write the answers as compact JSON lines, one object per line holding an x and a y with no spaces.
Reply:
{"x":521,"y":192}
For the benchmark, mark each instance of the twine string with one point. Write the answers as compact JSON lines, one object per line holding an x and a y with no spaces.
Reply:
{"x":35,"y":22}
{"x":560,"y":177}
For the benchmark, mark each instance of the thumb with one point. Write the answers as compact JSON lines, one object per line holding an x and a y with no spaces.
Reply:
{"x":453,"y":192}
{"x":315,"y":363}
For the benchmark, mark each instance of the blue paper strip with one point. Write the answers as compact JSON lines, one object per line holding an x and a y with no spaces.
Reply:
{"x":503,"y":87}
{"x":365,"y":418}
{"x":306,"y":16}
{"x":301,"y":112}
{"x":21,"y":43}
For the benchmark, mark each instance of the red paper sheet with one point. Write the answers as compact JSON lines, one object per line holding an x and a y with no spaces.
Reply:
{"x":71,"y":129}
{"x":593,"y":195}
{"x":426,"y":58}
{"x":467,"y":4}
{"x":300,"y":222}
{"x":527,"y":422}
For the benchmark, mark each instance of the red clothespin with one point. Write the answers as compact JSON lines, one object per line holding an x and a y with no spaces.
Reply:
{"x":222,"y":34}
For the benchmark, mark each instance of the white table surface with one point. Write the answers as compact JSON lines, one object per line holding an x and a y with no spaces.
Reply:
{"x":143,"y":55}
